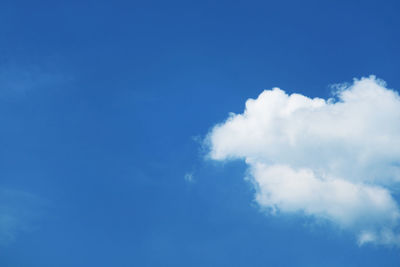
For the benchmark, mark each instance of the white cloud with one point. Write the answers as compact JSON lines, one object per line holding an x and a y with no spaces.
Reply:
{"x":336,"y":159}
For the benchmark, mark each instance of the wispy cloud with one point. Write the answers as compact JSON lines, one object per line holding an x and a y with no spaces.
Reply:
{"x":18,"y":213}
{"x":17,"y":81}
{"x":335,"y":159}
{"x":189,"y":177}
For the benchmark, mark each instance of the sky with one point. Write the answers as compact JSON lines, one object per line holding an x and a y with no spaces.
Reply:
{"x":199,"y":133}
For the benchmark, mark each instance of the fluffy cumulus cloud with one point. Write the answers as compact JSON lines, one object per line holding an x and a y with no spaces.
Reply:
{"x":335,"y":159}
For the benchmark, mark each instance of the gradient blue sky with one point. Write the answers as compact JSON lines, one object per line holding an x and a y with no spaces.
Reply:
{"x":103,"y":104}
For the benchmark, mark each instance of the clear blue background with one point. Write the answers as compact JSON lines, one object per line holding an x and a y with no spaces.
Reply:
{"x":101,"y":104}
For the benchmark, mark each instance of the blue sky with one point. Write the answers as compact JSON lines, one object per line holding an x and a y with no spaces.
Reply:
{"x":104,"y":106}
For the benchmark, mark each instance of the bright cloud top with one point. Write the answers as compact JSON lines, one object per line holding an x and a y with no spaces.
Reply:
{"x":336,"y":159}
